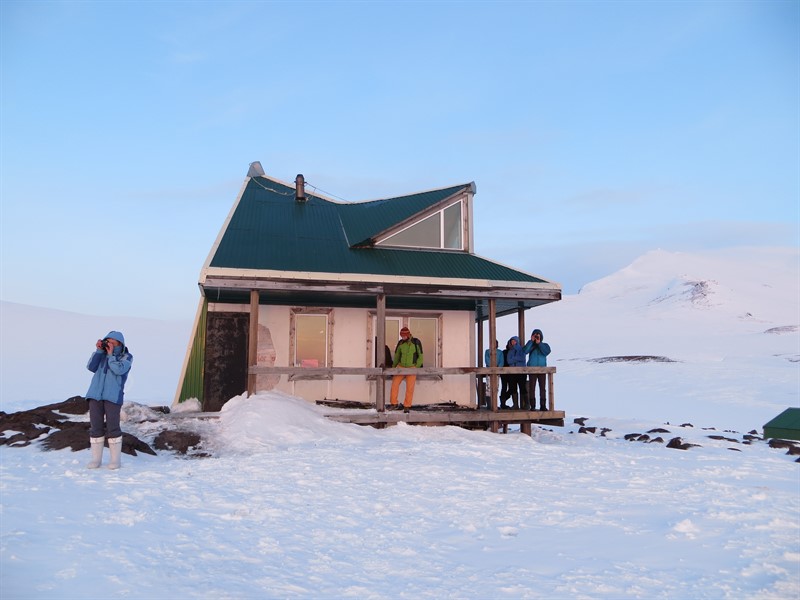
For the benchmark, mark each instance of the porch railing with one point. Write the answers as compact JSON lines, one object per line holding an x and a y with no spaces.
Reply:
{"x":382,"y":375}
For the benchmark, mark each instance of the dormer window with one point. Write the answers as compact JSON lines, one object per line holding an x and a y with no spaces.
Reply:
{"x":442,"y":229}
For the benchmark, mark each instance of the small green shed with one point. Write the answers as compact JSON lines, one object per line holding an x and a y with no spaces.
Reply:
{"x":785,"y":426}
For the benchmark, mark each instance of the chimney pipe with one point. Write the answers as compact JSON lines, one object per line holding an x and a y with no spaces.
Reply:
{"x":300,"y":188}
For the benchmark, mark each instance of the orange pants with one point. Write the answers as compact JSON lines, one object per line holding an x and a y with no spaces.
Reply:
{"x":411,"y":381}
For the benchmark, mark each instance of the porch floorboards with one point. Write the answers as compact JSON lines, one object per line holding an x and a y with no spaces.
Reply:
{"x":464,"y":417}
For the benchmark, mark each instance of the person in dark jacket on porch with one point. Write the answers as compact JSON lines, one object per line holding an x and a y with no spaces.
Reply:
{"x":505,"y":381}
{"x":537,"y":351}
{"x":515,"y":357}
{"x":407,"y":354}
{"x":501,"y":362}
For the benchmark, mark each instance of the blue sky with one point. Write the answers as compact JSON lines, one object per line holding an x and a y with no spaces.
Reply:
{"x":595,"y":131}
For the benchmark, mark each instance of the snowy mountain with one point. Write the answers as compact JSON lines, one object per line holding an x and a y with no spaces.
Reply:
{"x":726,"y":323}
{"x":293,"y":505}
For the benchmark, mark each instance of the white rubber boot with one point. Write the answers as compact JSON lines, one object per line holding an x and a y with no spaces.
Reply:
{"x":115,"y":449}
{"x":97,"y":452}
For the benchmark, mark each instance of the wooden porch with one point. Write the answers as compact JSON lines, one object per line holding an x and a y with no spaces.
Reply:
{"x":468,"y":418}
{"x":448,"y":413}
{"x":463,"y":414}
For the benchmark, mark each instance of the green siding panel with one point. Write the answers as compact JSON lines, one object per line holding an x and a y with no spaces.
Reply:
{"x":781,"y":434}
{"x":785,"y":426}
{"x":193,"y":377}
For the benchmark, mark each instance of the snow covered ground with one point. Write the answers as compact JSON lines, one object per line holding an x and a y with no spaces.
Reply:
{"x":296,"y":506}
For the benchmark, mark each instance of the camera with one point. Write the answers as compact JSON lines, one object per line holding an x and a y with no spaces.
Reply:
{"x":104,"y":345}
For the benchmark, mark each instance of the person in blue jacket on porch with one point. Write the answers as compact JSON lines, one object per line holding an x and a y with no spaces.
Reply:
{"x":110,"y":363}
{"x":515,"y":357}
{"x":537,"y":351}
{"x":487,"y":358}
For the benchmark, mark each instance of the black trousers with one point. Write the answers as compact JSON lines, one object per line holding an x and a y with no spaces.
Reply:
{"x":505,"y":390}
{"x":532,"y":381}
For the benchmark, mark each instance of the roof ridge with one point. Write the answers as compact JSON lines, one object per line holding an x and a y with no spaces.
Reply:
{"x":438,"y":189}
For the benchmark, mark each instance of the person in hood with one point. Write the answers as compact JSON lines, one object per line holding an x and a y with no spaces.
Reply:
{"x":501,"y":362}
{"x":110,"y":363}
{"x":515,"y":357}
{"x":537,"y":351}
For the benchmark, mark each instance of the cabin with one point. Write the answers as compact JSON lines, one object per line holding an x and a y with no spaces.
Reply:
{"x":785,"y":426}
{"x":302,"y":294}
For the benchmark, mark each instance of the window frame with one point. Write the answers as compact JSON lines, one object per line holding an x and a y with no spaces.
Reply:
{"x":404,"y":318}
{"x":385,"y":242}
{"x":301,"y":311}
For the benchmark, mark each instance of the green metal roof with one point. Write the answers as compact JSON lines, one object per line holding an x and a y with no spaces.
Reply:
{"x":270,"y":230}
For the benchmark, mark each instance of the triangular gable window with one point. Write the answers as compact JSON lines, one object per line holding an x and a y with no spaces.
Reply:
{"x":442,"y":229}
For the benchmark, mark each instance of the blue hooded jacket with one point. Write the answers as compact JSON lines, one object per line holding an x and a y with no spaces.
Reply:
{"x":110,"y":372}
{"x":538,"y":353}
{"x":515,"y":355}
{"x":487,"y":357}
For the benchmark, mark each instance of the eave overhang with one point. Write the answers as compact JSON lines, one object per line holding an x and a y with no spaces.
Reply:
{"x":357,"y":289}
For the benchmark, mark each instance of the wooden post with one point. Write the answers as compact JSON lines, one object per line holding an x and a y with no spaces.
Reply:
{"x":480,"y":380}
{"x":525,"y":428}
{"x":521,"y":323}
{"x":493,"y":360}
{"x":252,"y":342}
{"x":551,"y":396}
{"x":380,"y":382}
{"x":492,"y":353}
{"x":523,"y":341}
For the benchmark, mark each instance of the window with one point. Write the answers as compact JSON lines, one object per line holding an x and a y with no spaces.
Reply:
{"x":393,"y":326}
{"x":425,"y":329}
{"x":440,"y":230}
{"x":311,"y":340}
{"x":425,"y":234}
{"x":452,"y":226}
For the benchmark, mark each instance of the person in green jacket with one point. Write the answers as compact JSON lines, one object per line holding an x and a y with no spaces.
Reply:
{"x":407,"y":354}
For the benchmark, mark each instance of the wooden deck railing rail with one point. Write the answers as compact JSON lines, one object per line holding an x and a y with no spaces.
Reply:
{"x":312,"y":372}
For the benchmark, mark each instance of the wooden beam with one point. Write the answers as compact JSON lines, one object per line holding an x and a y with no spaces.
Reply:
{"x":521,"y":335}
{"x":399,"y":371}
{"x":445,"y":417}
{"x":380,"y":382}
{"x":252,"y":342}
{"x":492,"y":361}
{"x":410,"y":290}
{"x":481,"y":380}
{"x":492,"y":353}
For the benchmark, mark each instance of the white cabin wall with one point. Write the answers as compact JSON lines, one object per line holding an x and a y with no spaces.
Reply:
{"x":274,"y":322}
{"x":456,"y":346}
{"x":352,"y":348}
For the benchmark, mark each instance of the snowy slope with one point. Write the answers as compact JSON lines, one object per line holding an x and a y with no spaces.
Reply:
{"x":296,"y":506}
